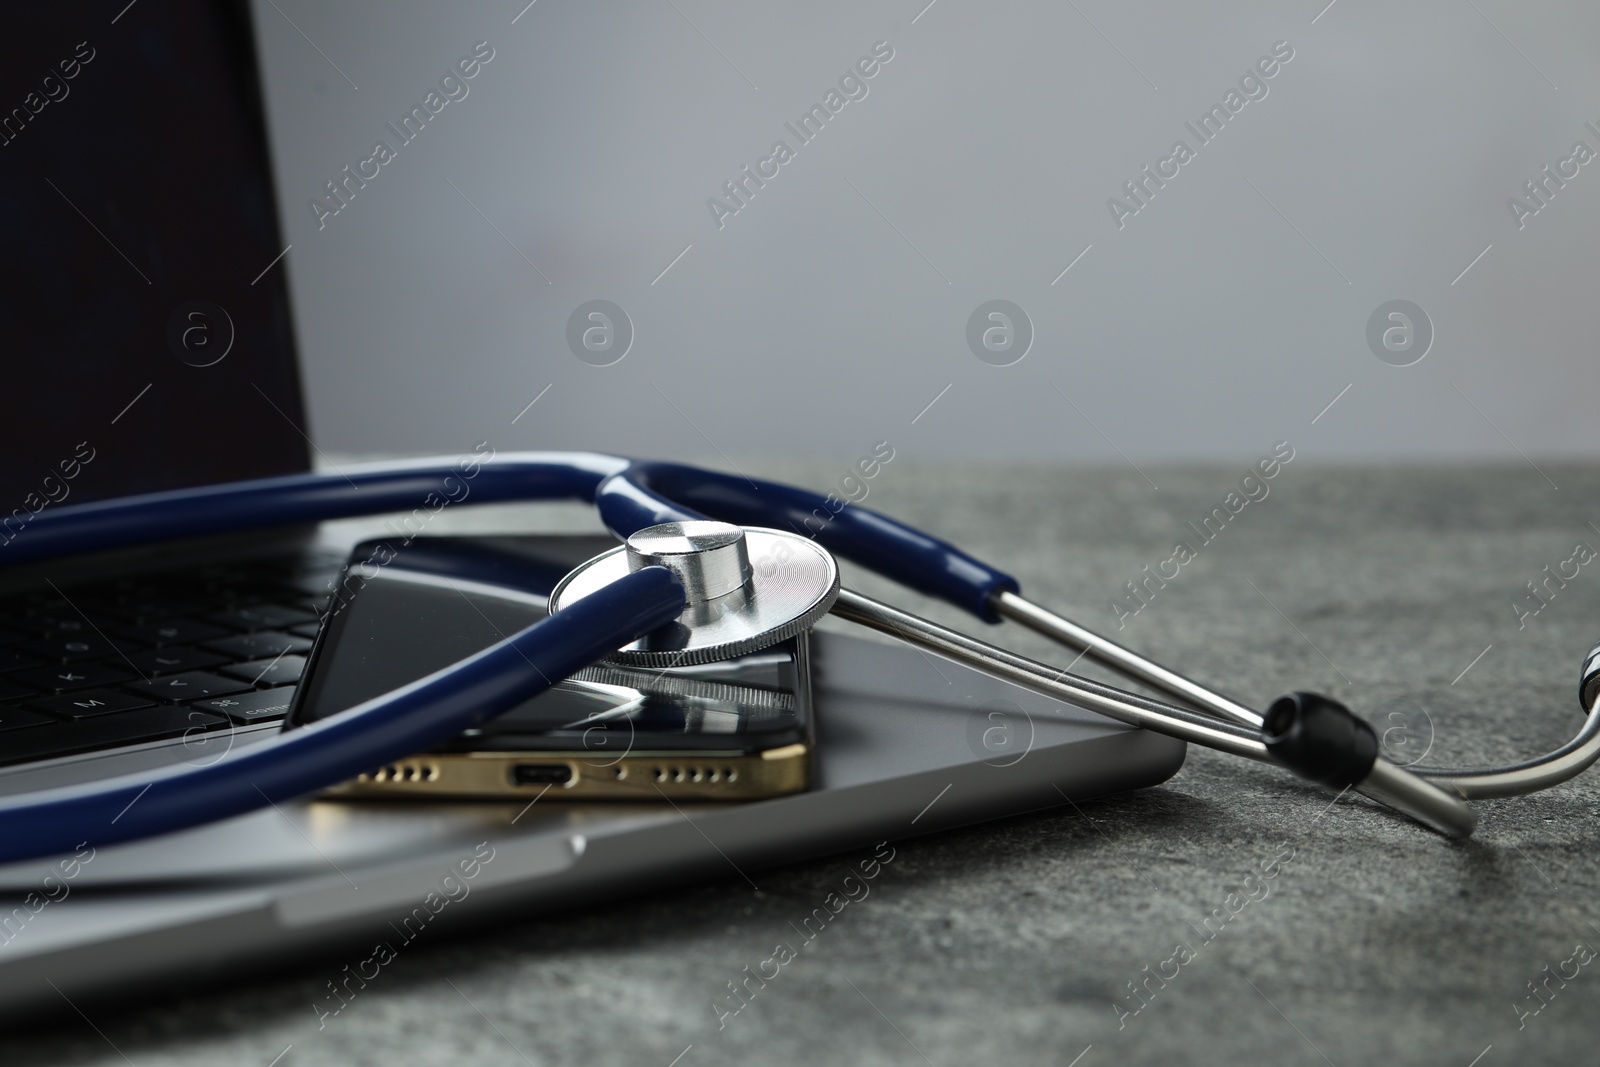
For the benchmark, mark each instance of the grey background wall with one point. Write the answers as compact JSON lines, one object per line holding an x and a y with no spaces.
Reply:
{"x":832,"y":309}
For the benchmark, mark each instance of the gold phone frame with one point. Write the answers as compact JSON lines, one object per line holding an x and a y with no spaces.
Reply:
{"x":679,"y":775}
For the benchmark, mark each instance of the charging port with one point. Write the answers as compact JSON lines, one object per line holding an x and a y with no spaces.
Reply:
{"x":541,"y":774}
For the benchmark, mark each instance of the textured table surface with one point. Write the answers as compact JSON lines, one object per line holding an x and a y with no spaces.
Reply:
{"x":1014,"y":942}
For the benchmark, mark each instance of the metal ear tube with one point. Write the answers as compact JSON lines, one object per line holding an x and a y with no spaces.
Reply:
{"x":1385,"y":782}
{"x":1315,"y":737}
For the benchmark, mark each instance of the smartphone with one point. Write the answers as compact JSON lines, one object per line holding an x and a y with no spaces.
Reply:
{"x":735,"y":730}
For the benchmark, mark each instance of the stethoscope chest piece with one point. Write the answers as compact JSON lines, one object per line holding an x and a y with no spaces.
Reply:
{"x":748,"y":588}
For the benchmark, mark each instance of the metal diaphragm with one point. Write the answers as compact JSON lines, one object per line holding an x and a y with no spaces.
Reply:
{"x":748,"y":588}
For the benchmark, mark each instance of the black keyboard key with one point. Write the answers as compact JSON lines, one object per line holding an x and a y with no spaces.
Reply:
{"x":235,"y":595}
{"x":9,"y":692}
{"x":263,"y":645}
{"x":71,"y":677}
{"x":117,"y":591}
{"x":315,"y":583}
{"x":280,"y":670}
{"x":262,"y":617}
{"x":172,"y":632}
{"x":72,"y":624}
{"x":87,"y":702}
{"x":46,"y":601}
{"x":159,"y":661}
{"x":13,"y":660}
{"x":66,"y":648}
{"x":104,"y":731}
{"x":66,"y":623}
{"x":18,"y":718}
{"x":308,"y":630}
{"x":96,"y":605}
{"x":190,"y":686}
{"x":264,"y":705}
{"x":155,"y":609}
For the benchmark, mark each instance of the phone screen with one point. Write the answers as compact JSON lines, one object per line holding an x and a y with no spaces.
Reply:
{"x":398,"y":614}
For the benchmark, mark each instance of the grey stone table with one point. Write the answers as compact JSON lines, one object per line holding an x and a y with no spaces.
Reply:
{"x":1015,"y":942}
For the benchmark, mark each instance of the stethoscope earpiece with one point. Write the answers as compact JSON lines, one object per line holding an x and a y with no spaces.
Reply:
{"x":1319,"y":739}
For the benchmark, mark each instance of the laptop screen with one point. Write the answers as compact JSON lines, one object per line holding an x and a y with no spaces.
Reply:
{"x":146,"y":338}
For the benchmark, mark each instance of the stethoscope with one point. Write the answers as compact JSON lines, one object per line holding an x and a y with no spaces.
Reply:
{"x":714,"y":566}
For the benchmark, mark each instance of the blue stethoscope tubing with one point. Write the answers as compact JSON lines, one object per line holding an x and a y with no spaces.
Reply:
{"x":629,"y":494}
{"x":299,"y":762}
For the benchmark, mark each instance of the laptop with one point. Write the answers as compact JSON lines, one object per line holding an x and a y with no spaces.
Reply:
{"x":150,"y":347}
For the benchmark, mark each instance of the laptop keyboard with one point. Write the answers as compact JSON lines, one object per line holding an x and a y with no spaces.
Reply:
{"x":188,"y":652}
